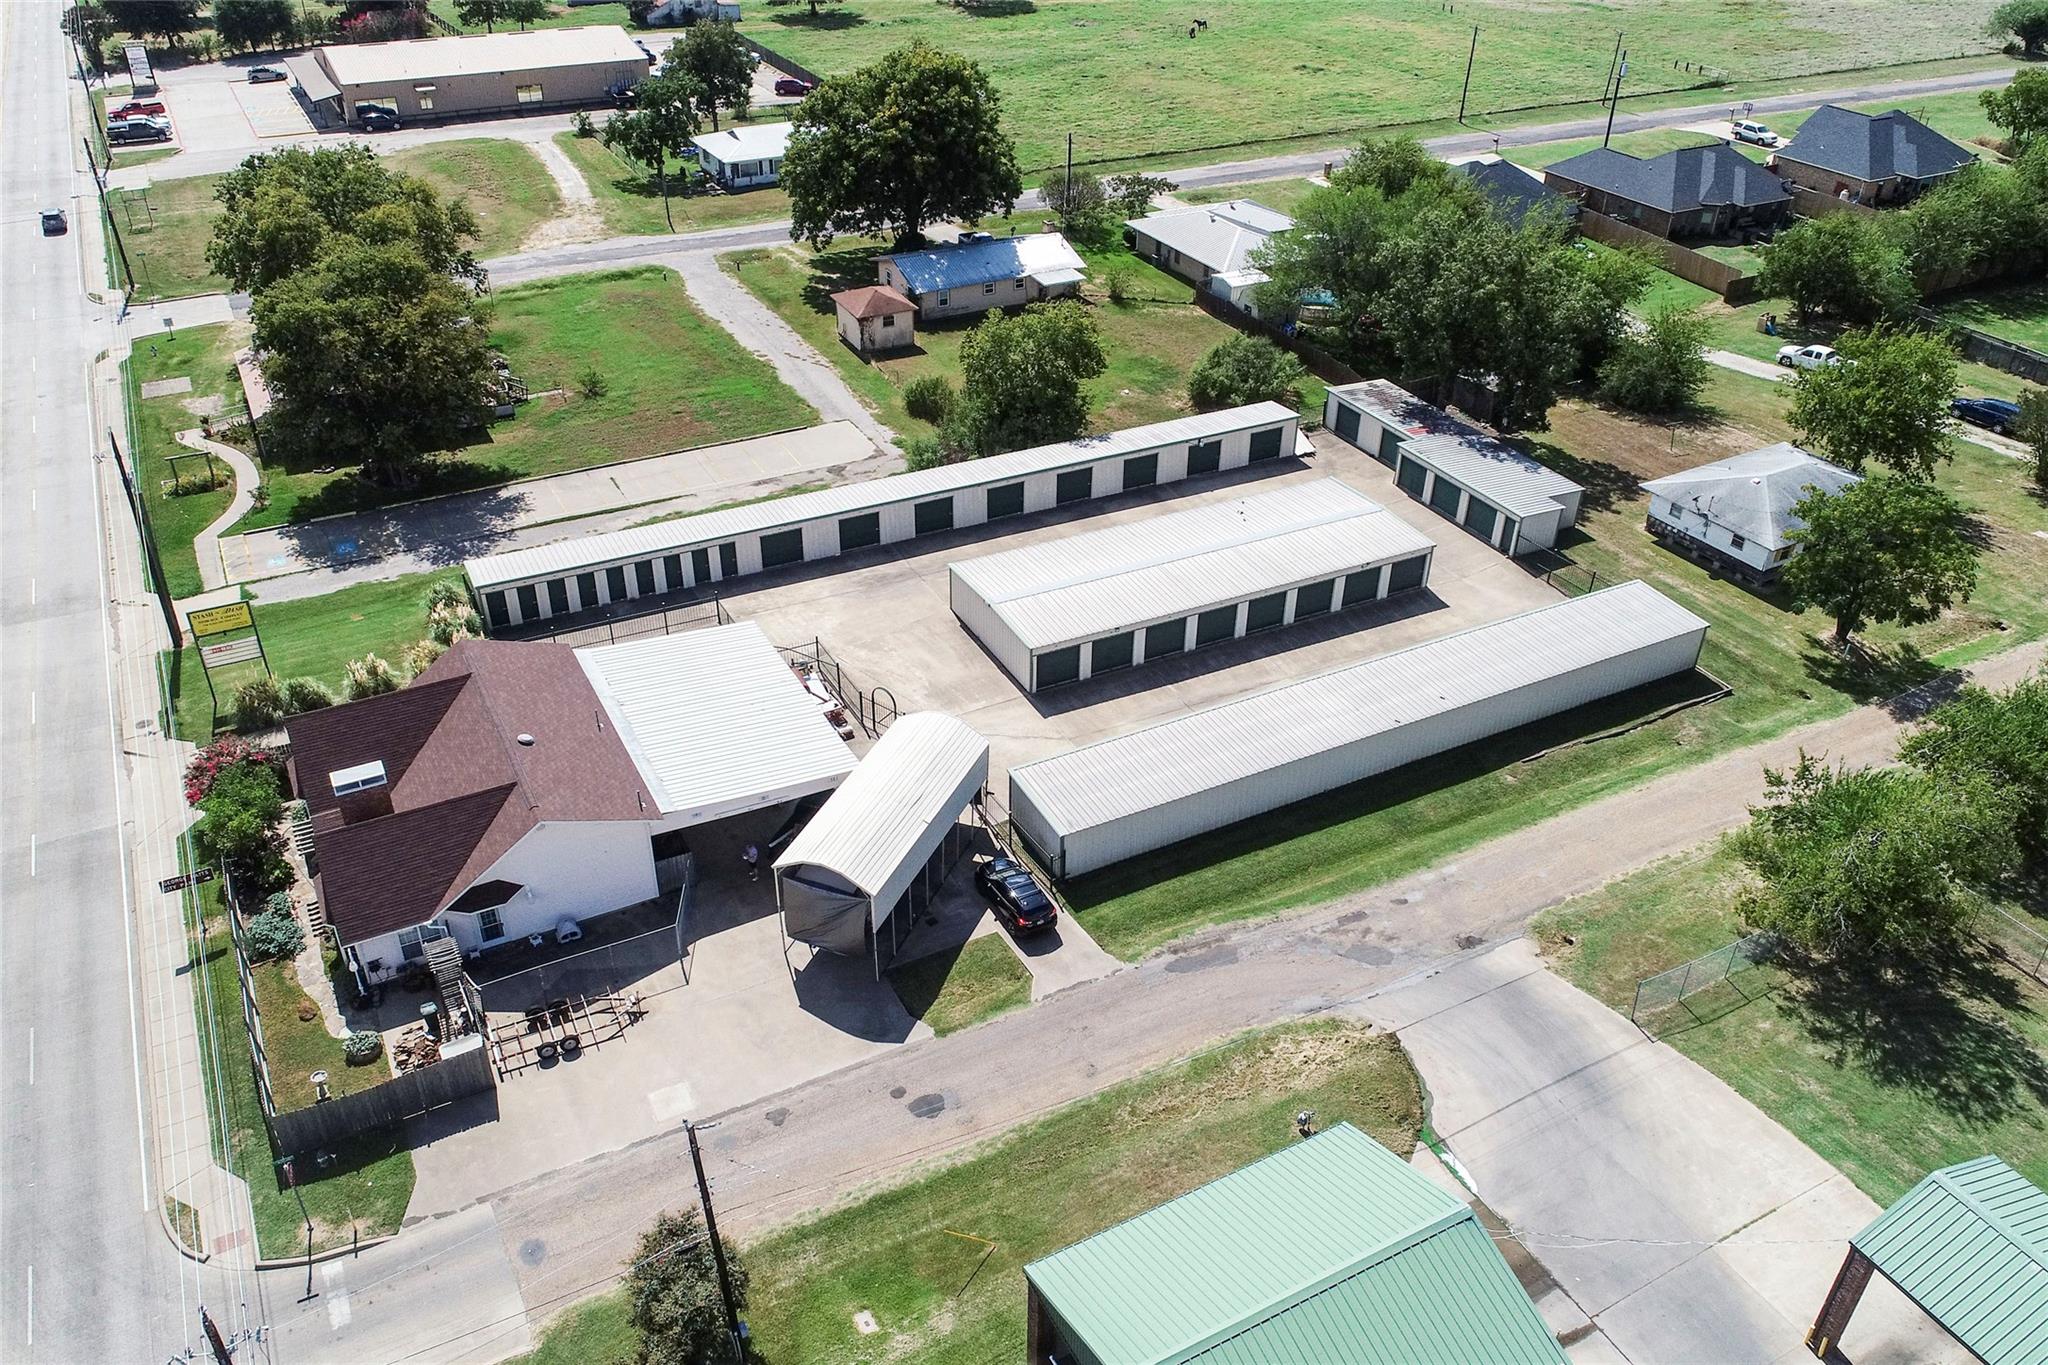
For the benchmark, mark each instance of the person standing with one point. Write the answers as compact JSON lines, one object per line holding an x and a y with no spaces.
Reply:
{"x":751,"y":856}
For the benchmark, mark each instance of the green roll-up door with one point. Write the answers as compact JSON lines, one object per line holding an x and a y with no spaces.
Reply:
{"x":1205,"y":457}
{"x":1347,"y":423}
{"x":1406,"y":574}
{"x":1140,"y":471}
{"x":1444,"y":495}
{"x":1362,"y":587}
{"x":495,"y":607}
{"x":1215,"y":625}
{"x":1005,"y":501}
{"x":858,"y":532}
{"x":529,"y":603}
{"x":929,"y":518}
{"x":615,"y":583}
{"x":1057,"y":666}
{"x":586,"y":591}
{"x":1111,"y":652}
{"x":729,"y":560}
{"x":643,"y":574}
{"x":558,"y":597}
{"x":1266,"y":444}
{"x":1264,"y":613}
{"x":1168,"y":637}
{"x":700,"y":565}
{"x":1313,"y":599}
{"x":782,"y":547}
{"x":1411,"y":476}
{"x":1481,"y":518}
{"x":1074,"y":485}
{"x":1389,"y":453}
{"x":672,"y":565}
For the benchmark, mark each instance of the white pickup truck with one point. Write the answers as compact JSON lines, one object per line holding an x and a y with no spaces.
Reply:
{"x":1808,"y":357}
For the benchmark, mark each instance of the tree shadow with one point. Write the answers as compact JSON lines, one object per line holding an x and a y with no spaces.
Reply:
{"x":1933,"y":1027}
{"x":994,"y":9}
{"x":832,"y":271}
{"x":1607,"y":485}
{"x":828,"y":20}
{"x":1905,"y":682}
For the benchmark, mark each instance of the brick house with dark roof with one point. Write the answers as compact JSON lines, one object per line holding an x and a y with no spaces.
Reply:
{"x":1691,"y":192}
{"x":1869,"y":158}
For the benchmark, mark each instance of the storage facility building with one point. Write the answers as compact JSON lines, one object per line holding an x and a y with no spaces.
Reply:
{"x":876,"y":852}
{"x":1491,"y":489}
{"x":473,"y":73}
{"x":1063,"y":610}
{"x":1376,"y":416}
{"x":543,"y":582}
{"x":1104,"y":802}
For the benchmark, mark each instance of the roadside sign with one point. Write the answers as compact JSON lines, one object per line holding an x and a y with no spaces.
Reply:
{"x":220,"y":620}
{"x":231,"y":652}
{"x":185,"y":879}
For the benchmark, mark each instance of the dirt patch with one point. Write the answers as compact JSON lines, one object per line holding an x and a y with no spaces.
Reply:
{"x":1649,"y":447}
{"x":1289,"y":1062}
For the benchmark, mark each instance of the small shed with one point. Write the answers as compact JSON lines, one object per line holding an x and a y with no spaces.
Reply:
{"x":884,"y":841}
{"x":875,"y":317}
{"x":1969,"y":1245}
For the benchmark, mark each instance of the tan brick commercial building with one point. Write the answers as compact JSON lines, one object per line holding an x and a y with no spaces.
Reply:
{"x":478,"y":73}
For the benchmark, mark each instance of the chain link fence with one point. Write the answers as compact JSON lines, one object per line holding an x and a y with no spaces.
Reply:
{"x":1667,"y":989}
{"x":2018,"y":942}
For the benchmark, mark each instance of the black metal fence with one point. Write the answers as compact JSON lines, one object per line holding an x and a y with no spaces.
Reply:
{"x":693,"y":615}
{"x":874,"y":708}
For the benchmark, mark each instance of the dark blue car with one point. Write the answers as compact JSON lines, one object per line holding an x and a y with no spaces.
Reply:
{"x":1015,"y":895}
{"x":1993,"y":414}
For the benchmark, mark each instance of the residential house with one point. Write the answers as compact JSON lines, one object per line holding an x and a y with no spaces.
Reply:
{"x":1736,"y":514}
{"x":980,"y":272}
{"x":1211,"y":245}
{"x":1868,"y":158}
{"x":875,"y":317}
{"x":516,"y":787}
{"x":1332,"y":1249}
{"x":745,"y":155}
{"x":1691,"y":192}
{"x":1514,"y":190}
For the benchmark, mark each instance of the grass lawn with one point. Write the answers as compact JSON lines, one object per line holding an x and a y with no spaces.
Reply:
{"x":1369,"y":833}
{"x":905,"y":1254}
{"x":1282,"y":196}
{"x":674,"y":380}
{"x":1886,"y":1078}
{"x":311,"y":637}
{"x":1743,"y":258}
{"x":370,"y":1181}
{"x":951,"y":990}
{"x":299,"y":1047}
{"x":166,"y":228}
{"x":1648,"y":143}
{"x":205,"y":355}
{"x":1125,"y":78}
{"x":1735,"y":329}
{"x":2018,"y":313}
{"x":1152,"y":341}
{"x":629,"y":195}
{"x":559,"y":16}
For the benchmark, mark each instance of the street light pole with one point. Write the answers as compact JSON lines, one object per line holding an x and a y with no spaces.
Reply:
{"x":285,"y":1164}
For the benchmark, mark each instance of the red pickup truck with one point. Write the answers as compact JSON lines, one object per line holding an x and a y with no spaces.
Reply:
{"x":136,"y":109}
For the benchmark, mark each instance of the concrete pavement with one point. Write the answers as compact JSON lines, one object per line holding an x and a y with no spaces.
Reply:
{"x":1686,"y":1223}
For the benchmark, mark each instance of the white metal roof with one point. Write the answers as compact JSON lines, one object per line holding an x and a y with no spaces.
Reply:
{"x":706,"y":528}
{"x":481,"y":54}
{"x":1753,"y":494}
{"x":1057,"y":592}
{"x":1178,"y":760}
{"x":746,"y":142}
{"x":1495,"y":471}
{"x":1219,"y":236}
{"x":311,"y":77}
{"x":715,"y":720}
{"x":890,"y":813}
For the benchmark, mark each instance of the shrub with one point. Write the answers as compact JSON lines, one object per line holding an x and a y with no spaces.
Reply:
{"x":929,"y":397}
{"x":1246,"y":369}
{"x":306,"y":694}
{"x":1117,"y":278}
{"x":582,"y":124}
{"x":370,"y":676}
{"x":278,"y":903}
{"x":673,"y":1292}
{"x":448,"y":622}
{"x":238,"y":827}
{"x":420,"y":655}
{"x":446,"y":592}
{"x":1661,"y":368}
{"x":362,"y":1047}
{"x":259,"y":704}
{"x":924,"y":452}
{"x":271,"y":935}
{"x":592,"y":383}
{"x":229,"y":751}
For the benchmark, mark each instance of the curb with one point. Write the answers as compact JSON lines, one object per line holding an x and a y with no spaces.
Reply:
{"x":321,"y":1257}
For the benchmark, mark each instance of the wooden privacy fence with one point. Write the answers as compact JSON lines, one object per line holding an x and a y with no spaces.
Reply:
{"x":1813,"y":204}
{"x":1724,"y":279}
{"x":400,"y":1098}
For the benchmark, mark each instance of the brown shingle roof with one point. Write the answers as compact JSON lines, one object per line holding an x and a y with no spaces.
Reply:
{"x":462,"y":788}
{"x":872,"y":301}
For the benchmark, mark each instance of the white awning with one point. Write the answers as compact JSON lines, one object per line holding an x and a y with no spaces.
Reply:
{"x":311,"y":79}
{"x":1047,"y":278}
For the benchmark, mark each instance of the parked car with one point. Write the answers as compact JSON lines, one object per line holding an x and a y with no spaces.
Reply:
{"x":791,"y":85}
{"x":377,"y":119}
{"x":1808,"y":357}
{"x":54,"y":223}
{"x":137,"y":109}
{"x":1748,"y":130}
{"x":1015,"y":895}
{"x":263,"y":75}
{"x":1993,"y":414}
{"x":139,"y":130}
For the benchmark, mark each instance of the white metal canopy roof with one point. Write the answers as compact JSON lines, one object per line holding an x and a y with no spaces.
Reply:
{"x":716,"y":721}
{"x":705,"y":528}
{"x":1219,"y":236}
{"x":481,"y":54}
{"x":877,"y":830}
{"x":1057,"y":592}
{"x":1495,"y":472}
{"x":1178,"y":760}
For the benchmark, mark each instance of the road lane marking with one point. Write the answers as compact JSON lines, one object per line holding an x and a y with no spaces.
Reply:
{"x":31,"y":1314}
{"x":31,"y":1054}
{"x":31,"y":855}
{"x":31,"y":589}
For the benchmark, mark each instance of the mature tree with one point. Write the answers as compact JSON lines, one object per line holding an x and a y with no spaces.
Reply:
{"x":1246,"y":369}
{"x":1021,"y":379}
{"x":2021,"y":108}
{"x":1987,"y":221}
{"x":1335,"y":249}
{"x":1888,"y":404}
{"x":2033,"y":429}
{"x":491,"y":13}
{"x":2026,"y":20}
{"x":673,"y":1288}
{"x":2001,"y":737}
{"x":1845,"y":265}
{"x":1081,"y":205}
{"x":913,"y":139}
{"x":238,"y":825}
{"x":1393,"y":165}
{"x":169,"y":20}
{"x":814,"y":4}
{"x":91,"y":27}
{"x":1660,"y":368}
{"x":1887,"y":550}
{"x":374,"y":356}
{"x":1877,"y":861}
{"x":720,"y":64}
{"x":661,"y":123}
{"x":250,"y":24}
{"x":283,"y":208}
{"x":1130,"y":195}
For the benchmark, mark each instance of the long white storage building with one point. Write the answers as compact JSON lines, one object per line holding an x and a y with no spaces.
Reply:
{"x":1064,"y":610}
{"x":1508,"y":500}
{"x":520,"y":587}
{"x":1120,"y":797}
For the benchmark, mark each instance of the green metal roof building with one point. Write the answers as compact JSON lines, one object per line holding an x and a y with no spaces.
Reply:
{"x":1331,"y":1250}
{"x":1969,"y":1245}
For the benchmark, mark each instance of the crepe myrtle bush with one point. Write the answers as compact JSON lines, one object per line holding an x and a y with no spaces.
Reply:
{"x":226,"y":752}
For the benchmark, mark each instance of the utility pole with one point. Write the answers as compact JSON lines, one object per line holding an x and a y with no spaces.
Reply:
{"x":1612,"y":62}
{"x":140,"y":512}
{"x":285,"y":1165}
{"x":214,"y":1341}
{"x":1470,"y":57}
{"x":732,"y":1311}
{"x":1620,"y":72}
{"x":1067,"y":205}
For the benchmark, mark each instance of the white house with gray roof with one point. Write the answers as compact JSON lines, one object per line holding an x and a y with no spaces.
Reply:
{"x":1736,"y":514}
{"x":744,"y":155}
{"x":1211,"y":245}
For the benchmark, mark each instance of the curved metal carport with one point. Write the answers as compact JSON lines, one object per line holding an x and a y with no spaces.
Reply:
{"x":879,"y":847}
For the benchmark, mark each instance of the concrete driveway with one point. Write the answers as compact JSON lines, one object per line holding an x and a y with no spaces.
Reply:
{"x":1686,"y":1223}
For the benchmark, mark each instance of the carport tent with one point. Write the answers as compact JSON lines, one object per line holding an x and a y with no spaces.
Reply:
{"x":871,"y":843}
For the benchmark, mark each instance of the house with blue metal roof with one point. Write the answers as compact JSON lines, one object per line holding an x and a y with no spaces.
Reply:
{"x":980,"y":272}
{"x":1333,"y":1249}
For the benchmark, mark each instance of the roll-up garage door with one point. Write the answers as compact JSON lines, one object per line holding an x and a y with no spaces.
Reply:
{"x":1443,"y":496}
{"x":1111,"y":652}
{"x":1006,"y":500}
{"x":1411,"y":476}
{"x":1480,"y":519}
{"x":934,"y":516}
{"x":1406,"y":574}
{"x":1205,"y":457}
{"x":1168,"y":637}
{"x":1347,"y":423}
{"x":1313,"y":599}
{"x":782,"y":547}
{"x":1216,"y":624}
{"x":860,"y":531}
{"x":1264,"y":613}
{"x":1074,"y":485}
{"x":1057,"y":666}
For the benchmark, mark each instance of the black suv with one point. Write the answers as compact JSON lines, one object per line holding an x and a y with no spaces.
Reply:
{"x":376,"y":119}
{"x":1015,"y":895}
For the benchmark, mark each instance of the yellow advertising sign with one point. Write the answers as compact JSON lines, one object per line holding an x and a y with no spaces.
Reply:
{"x":220,"y":620}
